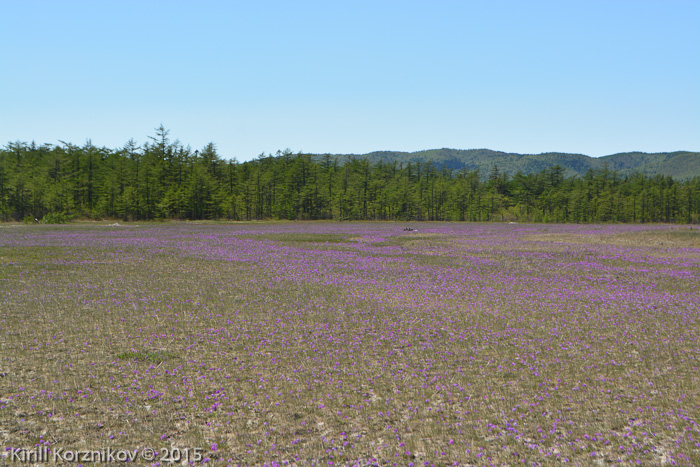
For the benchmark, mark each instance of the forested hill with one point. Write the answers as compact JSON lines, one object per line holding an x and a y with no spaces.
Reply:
{"x":679,"y":165}
{"x":163,"y":179}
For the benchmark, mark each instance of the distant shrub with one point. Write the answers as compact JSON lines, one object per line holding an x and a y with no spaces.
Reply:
{"x":55,"y":218}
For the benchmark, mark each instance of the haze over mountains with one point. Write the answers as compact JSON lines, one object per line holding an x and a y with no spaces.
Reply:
{"x":679,"y":165}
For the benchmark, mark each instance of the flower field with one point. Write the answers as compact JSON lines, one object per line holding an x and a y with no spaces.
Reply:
{"x":334,"y":344}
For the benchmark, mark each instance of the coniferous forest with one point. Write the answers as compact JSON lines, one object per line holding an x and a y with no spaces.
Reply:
{"x":165,"y":180}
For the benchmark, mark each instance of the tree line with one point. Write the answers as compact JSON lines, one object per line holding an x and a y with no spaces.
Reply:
{"x":163,"y":179}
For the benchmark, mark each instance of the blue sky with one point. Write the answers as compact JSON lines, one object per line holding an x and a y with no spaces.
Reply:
{"x":590,"y":77}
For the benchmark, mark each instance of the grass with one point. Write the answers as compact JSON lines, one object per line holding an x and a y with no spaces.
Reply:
{"x":148,"y":356}
{"x":460,"y":344}
{"x":299,"y":238}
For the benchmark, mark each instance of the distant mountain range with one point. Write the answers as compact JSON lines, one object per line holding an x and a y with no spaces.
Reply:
{"x":679,"y":165}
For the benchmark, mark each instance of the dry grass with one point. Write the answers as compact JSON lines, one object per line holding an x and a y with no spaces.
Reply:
{"x":353,"y":344}
{"x":678,"y":237}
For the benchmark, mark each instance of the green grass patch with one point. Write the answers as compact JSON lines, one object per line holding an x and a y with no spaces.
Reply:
{"x":146,"y":356}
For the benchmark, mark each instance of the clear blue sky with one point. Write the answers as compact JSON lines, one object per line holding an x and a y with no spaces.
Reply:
{"x":584,"y":76}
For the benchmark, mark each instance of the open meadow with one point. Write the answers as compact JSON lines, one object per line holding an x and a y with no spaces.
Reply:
{"x":320,"y":343}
